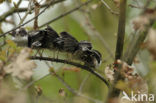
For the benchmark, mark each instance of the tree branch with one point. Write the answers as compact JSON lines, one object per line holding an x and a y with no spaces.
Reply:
{"x":131,"y":52}
{"x":74,"y":64}
{"x":15,"y":10}
{"x":62,"y":15}
{"x":24,"y":23}
{"x":65,"y":14}
{"x":135,"y":44}
{"x":113,"y":12}
{"x":114,"y":92}
{"x":121,"y":30}
{"x":75,"y":91}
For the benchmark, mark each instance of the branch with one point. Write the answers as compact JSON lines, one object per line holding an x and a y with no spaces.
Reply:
{"x":131,"y":52}
{"x":37,"y":10}
{"x":15,"y":10}
{"x":114,"y":92}
{"x":62,"y":15}
{"x":113,"y":12}
{"x":135,"y":44}
{"x":74,"y":64}
{"x":91,"y":30}
{"x":25,"y":22}
{"x":121,"y":30}
{"x":75,"y":91}
{"x":65,"y":14}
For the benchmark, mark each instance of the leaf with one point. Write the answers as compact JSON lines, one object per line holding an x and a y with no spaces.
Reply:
{"x":122,"y":85}
{"x":2,"y":55}
{"x":11,"y":43}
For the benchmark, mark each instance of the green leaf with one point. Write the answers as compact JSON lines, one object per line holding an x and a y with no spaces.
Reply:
{"x":11,"y":43}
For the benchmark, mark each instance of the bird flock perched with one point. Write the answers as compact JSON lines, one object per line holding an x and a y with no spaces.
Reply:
{"x":50,"y":39}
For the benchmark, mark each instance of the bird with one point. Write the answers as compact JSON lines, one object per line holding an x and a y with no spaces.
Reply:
{"x":97,"y":58}
{"x":91,"y":58}
{"x":70,"y":44}
{"x":48,"y":38}
{"x":43,"y":38}
{"x":35,"y":39}
{"x":20,"y":37}
{"x":83,"y":45}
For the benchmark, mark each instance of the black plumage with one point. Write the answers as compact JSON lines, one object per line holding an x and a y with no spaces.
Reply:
{"x":97,"y":55}
{"x":35,"y":38}
{"x":43,"y":38}
{"x":70,"y":44}
{"x":49,"y":38}
{"x":91,"y":58}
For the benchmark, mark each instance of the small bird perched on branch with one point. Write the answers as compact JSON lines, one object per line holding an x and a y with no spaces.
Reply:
{"x":49,"y":39}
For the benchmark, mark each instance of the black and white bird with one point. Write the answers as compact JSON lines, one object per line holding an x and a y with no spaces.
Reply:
{"x":49,"y":39}
{"x":35,"y":39}
{"x":91,"y":58}
{"x":20,"y":37}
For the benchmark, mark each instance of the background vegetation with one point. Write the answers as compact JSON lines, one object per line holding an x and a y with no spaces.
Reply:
{"x":98,"y":21}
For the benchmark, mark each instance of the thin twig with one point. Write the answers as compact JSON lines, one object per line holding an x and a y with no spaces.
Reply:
{"x":62,"y":15}
{"x":135,"y":6}
{"x":25,"y":22}
{"x":138,"y":7}
{"x":113,"y":12}
{"x":74,"y":64}
{"x":83,"y":82}
{"x":34,"y":81}
{"x":37,"y":10}
{"x":65,"y":14}
{"x":74,"y":91}
{"x":15,"y":10}
{"x":12,"y":20}
{"x":135,"y":43}
{"x":26,"y":14}
{"x":16,"y":7}
{"x":92,"y":31}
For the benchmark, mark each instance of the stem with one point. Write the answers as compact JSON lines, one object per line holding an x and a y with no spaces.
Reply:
{"x":15,"y":10}
{"x":114,"y":92}
{"x":121,"y":30}
{"x":65,"y":14}
{"x":74,"y":64}
{"x":135,"y":44}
